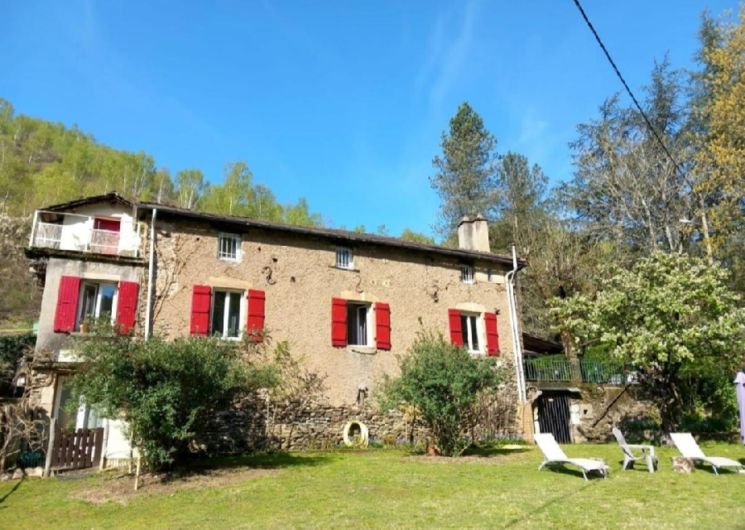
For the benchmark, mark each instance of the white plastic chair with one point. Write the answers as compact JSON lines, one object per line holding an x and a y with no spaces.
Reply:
{"x":628,"y":452}
{"x":553,"y":454}
{"x":690,"y":449}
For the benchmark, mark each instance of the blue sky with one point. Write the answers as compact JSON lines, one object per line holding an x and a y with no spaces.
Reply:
{"x":340,"y":102}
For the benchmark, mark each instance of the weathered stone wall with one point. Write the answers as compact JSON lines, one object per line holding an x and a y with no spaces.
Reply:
{"x":601,"y":408}
{"x":258,"y":425}
{"x":298,"y":275}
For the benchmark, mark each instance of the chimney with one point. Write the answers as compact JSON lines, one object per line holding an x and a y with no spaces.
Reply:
{"x":473,"y":234}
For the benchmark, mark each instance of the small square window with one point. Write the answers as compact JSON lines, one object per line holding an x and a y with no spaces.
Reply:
{"x":466,"y":273}
{"x":229,"y":247}
{"x":344,"y":258}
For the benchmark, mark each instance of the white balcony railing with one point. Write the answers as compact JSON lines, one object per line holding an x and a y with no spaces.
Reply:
{"x":68,"y":231}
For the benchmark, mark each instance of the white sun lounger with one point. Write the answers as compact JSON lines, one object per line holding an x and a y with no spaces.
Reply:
{"x":690,"y":449}
{"x":553,"y":454}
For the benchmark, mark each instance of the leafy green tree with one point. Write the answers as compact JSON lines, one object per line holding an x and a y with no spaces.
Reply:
{"x":168,"y":391}
{"x":443,"y":382}
{"x":466,"y":171}
{"x":416,"y":237}
{"x":671,"y":317}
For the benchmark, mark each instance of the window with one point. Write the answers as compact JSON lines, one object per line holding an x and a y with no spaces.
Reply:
{"x":357,"y":324}
{"x":344,"y":258}
{"x":97,"y":301}
{"x":229,"y":247}
{"x":469,"y":325}
{"x":466,"y":273}
{"x":226,"y":314}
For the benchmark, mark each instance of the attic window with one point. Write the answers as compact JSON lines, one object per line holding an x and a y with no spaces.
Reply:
{"x":344,"y":258}
{"x":466,"y":273}
{"x":229,"y":247}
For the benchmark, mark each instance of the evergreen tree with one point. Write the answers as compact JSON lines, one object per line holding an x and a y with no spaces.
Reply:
{"x":466,"y":170}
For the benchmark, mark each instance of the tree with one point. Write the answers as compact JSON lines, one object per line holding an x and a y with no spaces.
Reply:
{"x":520,"y":207}
{"x":416,"y":237}
{"x":168,"y":391}
{"x":190,"y":187}
{"x":719,"y":119}
{"x":443,"y":382}
{"x":466,"y":172}
{"x":625,"y":187}
{"x":671,"y":317}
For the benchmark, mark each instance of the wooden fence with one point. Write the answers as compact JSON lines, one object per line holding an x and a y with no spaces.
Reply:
{"x":76,"y":449}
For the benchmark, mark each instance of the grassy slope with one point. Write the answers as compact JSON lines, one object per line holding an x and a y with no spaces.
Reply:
{"x":388,"y":488}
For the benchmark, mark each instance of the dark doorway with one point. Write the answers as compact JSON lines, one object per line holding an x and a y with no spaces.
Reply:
{"x":553,"y":415}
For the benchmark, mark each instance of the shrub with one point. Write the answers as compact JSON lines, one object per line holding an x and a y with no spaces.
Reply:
{"x":167,"y":390}
{"x":443,"y":382}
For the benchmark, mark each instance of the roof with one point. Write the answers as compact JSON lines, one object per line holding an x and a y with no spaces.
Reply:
{"x":333,"y":234}
{"x":111,"y":197}
{"x":534,"y":344}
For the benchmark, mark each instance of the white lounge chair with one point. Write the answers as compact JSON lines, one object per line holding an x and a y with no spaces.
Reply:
{"x":553,"y":454}
{"x":629,"y":457}
{"x":690,"y":449}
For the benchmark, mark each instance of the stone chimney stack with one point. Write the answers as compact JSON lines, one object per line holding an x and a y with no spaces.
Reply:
{"x":473,"y":234}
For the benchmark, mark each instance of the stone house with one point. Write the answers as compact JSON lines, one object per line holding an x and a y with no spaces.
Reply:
{"x":349,"y":303}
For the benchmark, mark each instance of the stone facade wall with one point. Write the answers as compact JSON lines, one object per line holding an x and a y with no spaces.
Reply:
{"x":298,"y":276}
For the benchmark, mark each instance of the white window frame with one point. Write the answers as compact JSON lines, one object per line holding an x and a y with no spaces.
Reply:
{"x":221,"y":255}
{"x":226,"y":312}
{"x":344,"y":258}
{"x":478,"y":322}
{"x":97,"y":310}
{"x":369,"y":323}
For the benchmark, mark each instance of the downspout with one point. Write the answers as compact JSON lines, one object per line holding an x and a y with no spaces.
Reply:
{"x":150,"y":275}
{"x":515,"y":327}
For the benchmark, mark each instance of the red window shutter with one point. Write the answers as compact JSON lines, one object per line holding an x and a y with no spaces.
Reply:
{"x":67,"y":304}
{"x":456,"y":332}
{"x":201,"y":301}
{"x":126,"y":307}
{"x":492,"y":334}
{"x":338,"y":322}
{"x":256,"y":308}
{"x":382,"y":326}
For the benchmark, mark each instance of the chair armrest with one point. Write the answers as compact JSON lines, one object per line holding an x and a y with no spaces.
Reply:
{"x":649,"y":448}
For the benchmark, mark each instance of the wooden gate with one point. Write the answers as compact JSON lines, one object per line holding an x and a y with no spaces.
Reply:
{"x":553,"y":415}
{"x":76,"y":449}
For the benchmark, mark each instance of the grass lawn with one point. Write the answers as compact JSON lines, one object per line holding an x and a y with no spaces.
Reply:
{"x":390,"y":488}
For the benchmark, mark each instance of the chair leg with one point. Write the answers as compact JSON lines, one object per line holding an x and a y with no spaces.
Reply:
{"x":584,"y":474}
{"x":650,"y":463}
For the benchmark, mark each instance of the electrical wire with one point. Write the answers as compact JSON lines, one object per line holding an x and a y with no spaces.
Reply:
{"x":628,"y":89}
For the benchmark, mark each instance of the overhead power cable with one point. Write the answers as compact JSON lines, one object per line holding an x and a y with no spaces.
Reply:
{"x":628,"y":89}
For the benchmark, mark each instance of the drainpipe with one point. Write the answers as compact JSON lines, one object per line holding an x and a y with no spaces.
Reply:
{"x":515,"y":326}
{"x":150,"y":275}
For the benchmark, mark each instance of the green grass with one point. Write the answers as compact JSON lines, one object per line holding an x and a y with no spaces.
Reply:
{"x":390,"y":488}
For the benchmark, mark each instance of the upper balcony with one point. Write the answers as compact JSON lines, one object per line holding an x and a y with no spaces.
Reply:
{"x":113,"y":235}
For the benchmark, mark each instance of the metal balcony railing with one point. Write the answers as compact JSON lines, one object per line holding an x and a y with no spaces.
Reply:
{"x":561,"y":370}
{"x":69,"y":231}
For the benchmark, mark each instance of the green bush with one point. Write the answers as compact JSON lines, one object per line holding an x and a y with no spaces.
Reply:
{"x":167,"y":390}
{"x":443,"y":383}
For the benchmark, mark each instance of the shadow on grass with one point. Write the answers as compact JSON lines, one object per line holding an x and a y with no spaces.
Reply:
{"x":566,"y":470}
{"x":12,"y":490}
{"x":493,"y":451}
{"x":543,"y":507}
{"x":269,"y":461}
